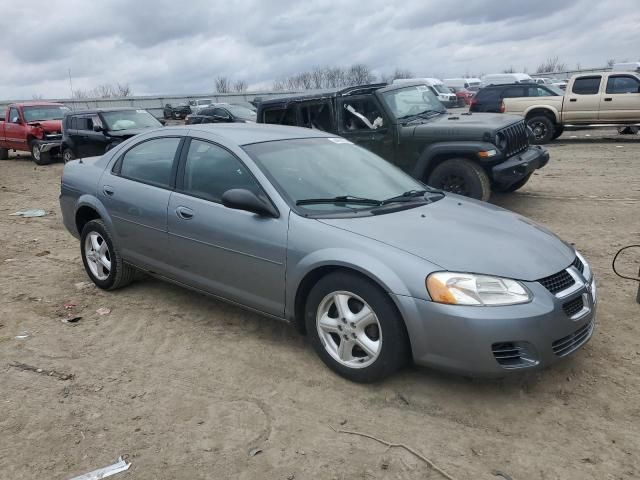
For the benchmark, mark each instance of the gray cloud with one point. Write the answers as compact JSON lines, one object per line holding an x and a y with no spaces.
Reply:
{"x":176,"y":47}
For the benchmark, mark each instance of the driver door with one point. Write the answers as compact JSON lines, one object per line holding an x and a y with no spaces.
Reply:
{"x":363,"y":121}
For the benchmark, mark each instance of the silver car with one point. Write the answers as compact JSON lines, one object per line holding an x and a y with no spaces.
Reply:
{"x":306,"y":227}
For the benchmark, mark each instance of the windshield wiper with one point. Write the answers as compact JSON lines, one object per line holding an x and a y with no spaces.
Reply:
{"x":340,"y":199}
{"x":412,"y":195}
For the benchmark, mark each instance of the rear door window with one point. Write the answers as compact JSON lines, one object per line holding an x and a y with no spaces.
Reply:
{"x":317,"y":116}
{"x":586,"y":85}
{"x":488,"y":95}
{"x":513,"y":92}
{"x":622,"y":84}
{"x":150,"y":162}
{"x":281,"y":116}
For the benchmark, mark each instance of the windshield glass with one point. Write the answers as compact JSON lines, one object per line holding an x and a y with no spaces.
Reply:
{"x":242,"y":112}
{"x":556,"y":90}
{"x":44,"y":112}
{"x":130,"y":119}
{"x":327,"y":168}
{"x":441,"y":88}
{"x":412,"y":101}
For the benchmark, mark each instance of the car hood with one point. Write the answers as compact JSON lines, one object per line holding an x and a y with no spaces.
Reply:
{"x":48,"y":125}
{"x":129,"y":133}
{"x":465,"y":235}
{"x":474,"y":126}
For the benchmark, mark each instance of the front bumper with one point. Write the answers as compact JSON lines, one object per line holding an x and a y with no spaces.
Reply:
{"x":475,"y":341}
{"x":519,"y":166}
{"x":49,"y":145}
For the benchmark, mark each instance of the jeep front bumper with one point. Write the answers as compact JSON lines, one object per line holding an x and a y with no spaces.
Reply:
{"x":519,"y":166}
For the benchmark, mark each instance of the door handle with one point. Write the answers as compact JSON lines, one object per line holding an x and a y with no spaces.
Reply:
{"x":608,"y":99}
{"x":573,"y":99}
{"x":108,"y":190}
{"x":184,"y":213}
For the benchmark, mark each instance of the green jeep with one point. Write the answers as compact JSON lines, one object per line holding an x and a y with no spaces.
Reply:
{"x":464,"y":153}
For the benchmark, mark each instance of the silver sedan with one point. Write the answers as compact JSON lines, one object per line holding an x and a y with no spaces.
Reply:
{"x":377,"y":268}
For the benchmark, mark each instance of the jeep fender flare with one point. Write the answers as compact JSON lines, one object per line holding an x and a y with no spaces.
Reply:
{"x":543,"y":110}
{"x":435,"y":153}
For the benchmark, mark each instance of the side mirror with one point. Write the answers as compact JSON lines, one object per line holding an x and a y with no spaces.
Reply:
{"x":242,"y":199}
{"x":98,"y":128}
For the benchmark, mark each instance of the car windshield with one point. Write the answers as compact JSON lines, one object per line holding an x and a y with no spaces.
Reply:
{"x":409,"y":101}
{"x":242,"y":112}
{"x":130,"y":119}
{"x":556,"y":90}
{"x":44,"y":112}
{"x":441,"y":88}
{"x":326,"y":168}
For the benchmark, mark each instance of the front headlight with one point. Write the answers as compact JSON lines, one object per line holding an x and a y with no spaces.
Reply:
{"x":469,"y":289}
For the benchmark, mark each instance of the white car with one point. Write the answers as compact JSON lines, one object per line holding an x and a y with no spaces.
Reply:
{"x":444,"y":94}
{"x":199,"y":104}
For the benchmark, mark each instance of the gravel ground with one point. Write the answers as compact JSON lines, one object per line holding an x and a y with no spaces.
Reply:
{"x":185,"y":386}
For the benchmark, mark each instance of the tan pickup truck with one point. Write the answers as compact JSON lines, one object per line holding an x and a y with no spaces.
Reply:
{"x":594,"y":99}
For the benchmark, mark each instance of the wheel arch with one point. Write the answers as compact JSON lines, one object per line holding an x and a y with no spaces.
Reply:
{"x":89,"y":208}
{"x":536,"y":110}
{"x":434,"y":154}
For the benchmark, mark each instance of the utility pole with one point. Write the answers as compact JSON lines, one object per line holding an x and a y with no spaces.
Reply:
{"x":71,"y":89}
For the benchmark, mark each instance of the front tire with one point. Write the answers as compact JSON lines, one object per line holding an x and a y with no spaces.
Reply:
{"x":461,"y":176}
{"x":102,"y":260}
{"x":39,"y":157}
{"x":543,"y":129}
{"x":355,"y":328}
{"x":68,"y":155}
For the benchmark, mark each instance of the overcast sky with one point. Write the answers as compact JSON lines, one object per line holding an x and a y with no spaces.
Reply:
{"x":178,"y":46}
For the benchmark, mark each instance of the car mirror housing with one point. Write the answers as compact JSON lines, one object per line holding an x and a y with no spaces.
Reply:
{"x":98,"y":128}
{"x":242,"y":199}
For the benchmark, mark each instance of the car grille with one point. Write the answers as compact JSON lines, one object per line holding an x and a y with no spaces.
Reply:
{"x":517,"y":138}
{"x":557,"y":282}
{"x":574,"y":306}
{"x":570,"y":343}
{"x":513,"y":354}
{"x":578,"y":264}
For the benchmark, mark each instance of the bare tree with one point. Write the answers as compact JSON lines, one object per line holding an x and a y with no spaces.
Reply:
{"x":359,"y":74}
{"x":509,"y":70}
{"x":37,"y":96}
{"x":240,"y":86}
{"x":611,"y":62}
{"x":223,"y":85}
{"x":122,"y":90}
{"x":80,"y":94}
{"x":550,"y":65}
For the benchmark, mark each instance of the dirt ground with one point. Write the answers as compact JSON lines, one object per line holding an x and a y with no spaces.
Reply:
{"x":185,"y":386}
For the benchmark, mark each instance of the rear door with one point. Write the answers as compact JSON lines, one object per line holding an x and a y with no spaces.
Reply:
{"x":621,"y":99}
{"x":582,"y":103}
{"x":136,"y":193}
{"x":362,"y":120}
{"x":234,"y":254}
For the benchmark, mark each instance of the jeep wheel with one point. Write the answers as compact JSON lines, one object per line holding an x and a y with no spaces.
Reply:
{"x":543,"y":129}
{"x":463,"y":177}
{"x":511,"y":188}
{"x":38,"y":156}
{"x":67,"y":155}
{"x":4,"y":154}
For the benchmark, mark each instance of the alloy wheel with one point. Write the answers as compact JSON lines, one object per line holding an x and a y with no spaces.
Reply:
{"x":539,"y":130}
{"x":454,"y":184}
{"x":349,"y":329}
{"x":35,"y":151}
{"x":98,"y":256}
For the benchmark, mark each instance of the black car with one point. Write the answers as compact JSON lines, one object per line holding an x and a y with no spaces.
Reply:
{"x":489,"y":99}
{"x":405,"y":123}
{"x":88,"y":133}
{"x":223,"y":113}
{"x":179,"y":111}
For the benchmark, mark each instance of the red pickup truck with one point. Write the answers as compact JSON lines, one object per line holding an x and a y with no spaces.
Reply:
{"x":34,"y":127}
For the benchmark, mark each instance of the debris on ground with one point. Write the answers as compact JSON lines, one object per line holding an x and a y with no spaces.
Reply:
{"x":119,"y":466}
{"x":254,"y":451}
{"x":43,"y":253}
{"x":103,"y":311}
{"x":499,"y":473}
{"x":69,"y":305}
{"x":71,"y":320}
{"x":83,"y":285}
{"x":48,"y":373}
{"x":22,"y":336}
{"x":36,"y":212}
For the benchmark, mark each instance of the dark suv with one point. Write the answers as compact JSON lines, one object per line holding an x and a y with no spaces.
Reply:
{"x":406,"y":124}
{"x":222,"y":113}
{"x":88,"y":133}
{"x":179,"y":111}
{"x":489,"y":99}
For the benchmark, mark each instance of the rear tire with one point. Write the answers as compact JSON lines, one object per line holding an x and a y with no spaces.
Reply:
{"x":102,"y":259}
{"x":559,"y":131}
{"x":628,"y":130}
{"x":543,"y":128}
{"x":364,"y":348}
{"x":39,"y":157}
{"x":512,"y":188}
{"x":461,"y":176}
{"x":68,"y":155}
{"x":4,"y":154}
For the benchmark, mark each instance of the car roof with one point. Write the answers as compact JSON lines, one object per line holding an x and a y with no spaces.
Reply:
{"x":325,"y":93}
{"x":101,"y":110}
{"x":37,"y":104}
{"x":507,"y":85}
{"x":247,"y":133}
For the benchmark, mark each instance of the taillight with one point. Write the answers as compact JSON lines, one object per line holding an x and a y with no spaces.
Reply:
{"x":502,"y":107}
{"x":474,"y":102}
